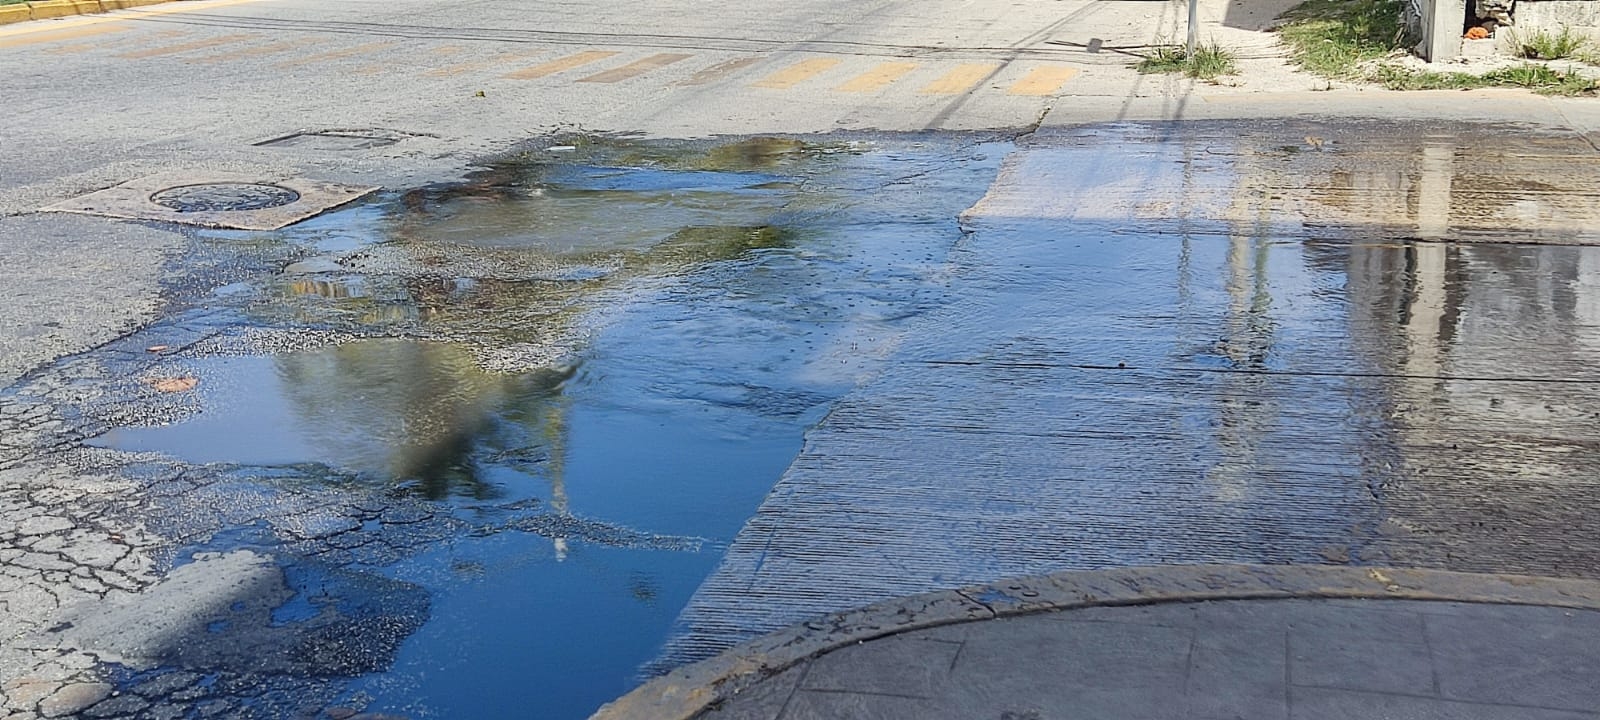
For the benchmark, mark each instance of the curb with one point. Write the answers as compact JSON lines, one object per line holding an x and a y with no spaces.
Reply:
{"x":685,"y":692}
{"x":46,"y":9}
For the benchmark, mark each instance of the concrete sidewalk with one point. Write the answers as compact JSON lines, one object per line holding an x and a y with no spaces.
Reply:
{"x":1320,"y":659}
{"x":1195,"y":642}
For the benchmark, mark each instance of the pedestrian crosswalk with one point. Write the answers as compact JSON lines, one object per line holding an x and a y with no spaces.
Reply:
{"x":859,"y":75}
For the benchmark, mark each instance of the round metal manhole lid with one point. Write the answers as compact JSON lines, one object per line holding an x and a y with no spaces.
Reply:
{"x":227,"y":197}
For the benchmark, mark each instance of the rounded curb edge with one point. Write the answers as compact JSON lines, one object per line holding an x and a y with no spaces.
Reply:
{"x":687,"y":691}
{"x":51,"y":9}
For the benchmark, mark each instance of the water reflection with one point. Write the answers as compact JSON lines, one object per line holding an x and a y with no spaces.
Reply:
{"x":1183,"y":344}
{"x":420,"y":417}
{"x":1479,"y":408}
{"x":517,"y":253}
{"x":1481,"y":399}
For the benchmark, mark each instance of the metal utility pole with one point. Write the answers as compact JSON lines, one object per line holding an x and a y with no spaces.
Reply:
{"x":1194,"y":32}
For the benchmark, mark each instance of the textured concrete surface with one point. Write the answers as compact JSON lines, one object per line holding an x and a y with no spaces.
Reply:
{"x":1202,"y":343}
{"x":754,"y":672}
{"x":1221,"y":660}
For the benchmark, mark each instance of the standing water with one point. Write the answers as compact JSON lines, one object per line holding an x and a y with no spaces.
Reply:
{"x":586,"y":368}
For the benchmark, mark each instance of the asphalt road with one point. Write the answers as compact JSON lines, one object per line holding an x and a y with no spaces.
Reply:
{"x":196,"y":86}
{"x":190,"y":87}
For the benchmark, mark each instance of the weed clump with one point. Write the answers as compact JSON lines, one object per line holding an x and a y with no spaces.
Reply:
{"x":1208,"y":62}
{"x":1545,"y":45}
{"x":1541,"y":79}
{"x":1335,"y":38}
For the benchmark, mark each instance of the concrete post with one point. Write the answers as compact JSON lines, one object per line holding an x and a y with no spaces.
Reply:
{"x":1442,"y":22}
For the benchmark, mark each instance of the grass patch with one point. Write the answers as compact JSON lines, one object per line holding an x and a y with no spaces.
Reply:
{"x":1209,"y":62}
{"x":1542,"y":79}
{"x":1334,"y":38}
{"x":1349,"y":40}
{"x":1543,"y":45}
{"x":12,"y":2}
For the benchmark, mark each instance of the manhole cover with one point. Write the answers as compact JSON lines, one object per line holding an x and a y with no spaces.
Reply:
{"x":220,"y":200}
{"x":230,"y":197}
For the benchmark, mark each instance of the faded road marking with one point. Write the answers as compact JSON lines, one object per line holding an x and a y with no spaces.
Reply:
{"x":721,"y":70}
{"x":466,"y":67}
{"x":1043,"y":81}
{"x":123,"y":44}
{"x":636,"y":68}
{"x":960,"y":79}
{"x":561,"y":64}
{"x":58,"y":35}
{"x":797,"y":73}
{"x":257,"y":51}
{"x":336,"y":54}
{"x":185,"y":47}
{"x":877,"y":77}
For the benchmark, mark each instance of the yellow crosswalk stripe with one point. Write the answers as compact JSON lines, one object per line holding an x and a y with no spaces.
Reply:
{"x":185,"y":47}
{"x":877,"y":77}
{"x":636,"y":68}
{"x":960,"y":79}
{"x":59,"y":35}
{"x":1043,"y":81}
{"x":466,"y":67}
{"x":336,"y":54}
{"x":125,"y":43}
{"x":390,"y":68}
{"x":721,"y":70}
{"x":257,"y":51}
{"x":797,"y":73}
{"x":561,"y":64}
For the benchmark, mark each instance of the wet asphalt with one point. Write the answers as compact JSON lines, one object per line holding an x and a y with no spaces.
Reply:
{"x":466,"y":448}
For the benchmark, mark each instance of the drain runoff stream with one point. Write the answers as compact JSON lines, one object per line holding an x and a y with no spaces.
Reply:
{"x":467,"y":450}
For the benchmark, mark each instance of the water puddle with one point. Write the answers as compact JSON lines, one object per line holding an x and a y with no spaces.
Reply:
{"x":591,"y":363}
{"x":415,"y":414}
{"x":535,"y":408}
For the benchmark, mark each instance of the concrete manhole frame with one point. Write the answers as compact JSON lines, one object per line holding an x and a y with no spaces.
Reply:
{"x":216,"y":200}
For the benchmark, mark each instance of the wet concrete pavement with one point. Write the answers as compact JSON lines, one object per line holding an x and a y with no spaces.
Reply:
{"x":1284,"y":343}
{"x":1222,"y":660}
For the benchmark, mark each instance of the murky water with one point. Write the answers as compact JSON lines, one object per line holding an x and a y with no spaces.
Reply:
{"x":660,"y":326}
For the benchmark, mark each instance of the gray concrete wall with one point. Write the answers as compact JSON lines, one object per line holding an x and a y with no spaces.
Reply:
{"x":1556,"y":13}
